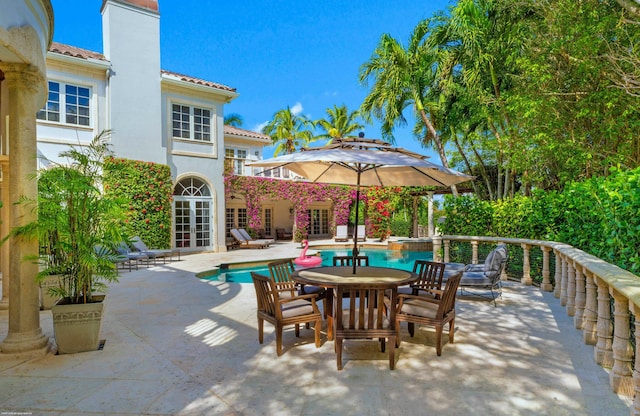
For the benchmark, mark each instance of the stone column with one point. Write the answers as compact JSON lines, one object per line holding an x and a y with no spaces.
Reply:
{"x":546,"y":282}
{"x":430,"y":225}
{"x":635,"y":407}
{"x":590,"y":316}
{"x":4,"y":230}
{"x":447,"y":251}
{"x":25,"y":334}
{"x":526,"y":265}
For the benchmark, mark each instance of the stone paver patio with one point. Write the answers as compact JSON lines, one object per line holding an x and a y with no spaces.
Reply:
{"x":177,"y":345}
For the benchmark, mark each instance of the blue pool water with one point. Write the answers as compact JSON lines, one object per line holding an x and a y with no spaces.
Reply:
{"x":377,"y":257}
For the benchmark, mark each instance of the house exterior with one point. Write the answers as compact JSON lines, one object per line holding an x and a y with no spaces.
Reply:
{"x":153,"y":115}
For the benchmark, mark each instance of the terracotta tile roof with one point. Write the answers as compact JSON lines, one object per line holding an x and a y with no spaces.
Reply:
{"x":198,"y":81}
{"x":230,"y":130}
{"x":69,"y":50}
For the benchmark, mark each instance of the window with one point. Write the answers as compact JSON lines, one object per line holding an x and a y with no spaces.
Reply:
{"x":191,"y":123}
{"x":234,"y":160}
{"x":68,"y":103}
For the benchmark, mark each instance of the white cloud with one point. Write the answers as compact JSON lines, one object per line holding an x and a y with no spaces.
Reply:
{"x":297,"y":108}
{"x":259,"y":127}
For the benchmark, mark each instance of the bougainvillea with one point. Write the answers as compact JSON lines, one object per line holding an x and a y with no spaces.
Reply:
{"x":302,"y":194}
{"x":148,"y":188}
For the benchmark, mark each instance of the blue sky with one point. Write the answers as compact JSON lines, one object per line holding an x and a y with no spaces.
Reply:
{"x":305,"y":55}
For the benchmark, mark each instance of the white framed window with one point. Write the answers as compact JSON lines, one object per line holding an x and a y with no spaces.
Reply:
{"x":191,"y":123}
{"x":67,"y":103}
{"x":235,"y":160}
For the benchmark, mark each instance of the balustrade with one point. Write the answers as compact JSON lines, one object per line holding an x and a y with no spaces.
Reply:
{"x":586,"y":286}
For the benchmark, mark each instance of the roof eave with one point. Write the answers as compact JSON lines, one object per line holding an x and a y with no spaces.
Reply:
{"x":171,"y":80}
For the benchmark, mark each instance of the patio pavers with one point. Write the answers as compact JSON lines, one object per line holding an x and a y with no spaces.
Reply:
{"x":177,"y":345}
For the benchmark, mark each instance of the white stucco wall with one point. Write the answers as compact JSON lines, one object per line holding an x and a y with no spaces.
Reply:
{"x":131,"y":38}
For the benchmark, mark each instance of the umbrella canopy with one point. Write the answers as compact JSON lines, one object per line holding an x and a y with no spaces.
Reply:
{"x":364,"y":162}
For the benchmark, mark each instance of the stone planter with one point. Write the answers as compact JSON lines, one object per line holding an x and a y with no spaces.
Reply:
{"x":47,"y":300}
{"x":77,"y":326}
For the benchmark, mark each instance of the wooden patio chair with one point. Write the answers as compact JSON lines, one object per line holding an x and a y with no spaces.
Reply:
{"x":431,"y":275}
{"x":348,"y":260}
{"x":280,"y":271}
{"x":359,"y":317}
{"x":281,"y":312}
{"x":423,"y":310}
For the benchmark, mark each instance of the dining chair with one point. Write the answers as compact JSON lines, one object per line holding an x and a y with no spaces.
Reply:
{"x":358,"y":316}
{"x":280,"y":271}
{"x":424,"y":310}
{"x":430,"y":274}
{"x":283,"y":311}
{"x":348,"y":260}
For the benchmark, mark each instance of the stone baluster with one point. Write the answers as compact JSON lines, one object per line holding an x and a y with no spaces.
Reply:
{"x":563,"y":282}
{"x":503,"y":275}
{"x":447,"y":251}
{"x":578,"y":318}
{"x":546,"y":282}
{"x":603,"y":352}
{"x":557,"y":275}
{"x":590,"y":317}
{"x":474,"y":252}
{"x":437,"y":247}
{"x":621,"y":375}
{"x":526,"y":265}
{"x":571,"y":288}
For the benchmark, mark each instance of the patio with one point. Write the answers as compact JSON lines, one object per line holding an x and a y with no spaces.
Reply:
{"x":179,"y":345}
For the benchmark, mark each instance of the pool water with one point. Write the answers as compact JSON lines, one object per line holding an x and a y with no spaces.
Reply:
{"x":377,"y":257}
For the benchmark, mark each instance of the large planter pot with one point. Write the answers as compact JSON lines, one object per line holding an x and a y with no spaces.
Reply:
{"x":47,"y":300}
{"x":77,"y":326}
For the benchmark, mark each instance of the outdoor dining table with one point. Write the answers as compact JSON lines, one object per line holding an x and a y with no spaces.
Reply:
{"x":333,"y":276}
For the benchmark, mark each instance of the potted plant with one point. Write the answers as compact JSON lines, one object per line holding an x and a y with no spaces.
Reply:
{"x":78,"y":229}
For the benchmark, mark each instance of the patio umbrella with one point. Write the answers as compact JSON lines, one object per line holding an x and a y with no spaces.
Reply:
{"x":364,"y":162}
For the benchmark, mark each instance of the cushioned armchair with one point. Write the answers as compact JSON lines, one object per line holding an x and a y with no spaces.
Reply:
{"x":423,"y":310}
{"x":283,"y":311}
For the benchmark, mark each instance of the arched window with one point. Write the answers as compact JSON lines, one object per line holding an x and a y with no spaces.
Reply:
{"x":191,"y":187}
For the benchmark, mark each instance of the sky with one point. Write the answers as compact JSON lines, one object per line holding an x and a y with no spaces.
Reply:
{"x":304,"y":55}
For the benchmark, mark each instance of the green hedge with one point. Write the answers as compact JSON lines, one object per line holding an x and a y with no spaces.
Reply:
{"x":600,"y":216}
{"x":148,"y":188}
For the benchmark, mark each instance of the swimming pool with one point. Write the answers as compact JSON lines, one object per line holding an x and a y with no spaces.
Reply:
{"x":377,"y":257}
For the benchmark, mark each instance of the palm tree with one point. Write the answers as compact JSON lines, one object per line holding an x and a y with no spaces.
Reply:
{"x":233,"y":119}
{"x":289,"y":131}
{"x":339,"y":123}
{"x":401,"y":78}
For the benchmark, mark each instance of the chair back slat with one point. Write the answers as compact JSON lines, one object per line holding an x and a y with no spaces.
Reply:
{"x":267,"y":295}
{"x":365,"y":306}
{"x":448,"y":301}
{"x":430,"y":274}
{"x":281,"y":270}
{"x":348,"y":260}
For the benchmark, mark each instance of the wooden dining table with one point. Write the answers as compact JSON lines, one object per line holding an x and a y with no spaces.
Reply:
{"x":332,"y":277}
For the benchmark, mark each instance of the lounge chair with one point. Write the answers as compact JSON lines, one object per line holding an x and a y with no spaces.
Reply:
{"x":341,"y":233}
{"x":362,"y":233}
{"x":154,"y":254}
{"x":279,"y":311}
{"x":282,"y":234}
{"x":132,"y":257}
{"x":244,"y":243}
{"x":486,"y":275}
{"x":248,"y":237}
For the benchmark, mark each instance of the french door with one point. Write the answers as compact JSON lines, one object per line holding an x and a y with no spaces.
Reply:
{"x":192,"y":222}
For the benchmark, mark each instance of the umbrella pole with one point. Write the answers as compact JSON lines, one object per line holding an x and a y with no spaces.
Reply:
{"x":355,"y":231}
